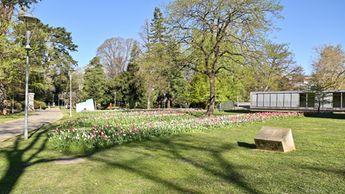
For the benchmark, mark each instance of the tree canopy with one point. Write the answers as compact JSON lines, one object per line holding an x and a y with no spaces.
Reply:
{"x":218,"y":33}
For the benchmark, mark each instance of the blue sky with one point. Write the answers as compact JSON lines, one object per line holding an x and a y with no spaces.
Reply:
{"x":307,"y":24}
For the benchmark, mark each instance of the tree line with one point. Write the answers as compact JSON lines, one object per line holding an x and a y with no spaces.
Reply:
{"x":196,"y":54}
{"x":50,"y":57}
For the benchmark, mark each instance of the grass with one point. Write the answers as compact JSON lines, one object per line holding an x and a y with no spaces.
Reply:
{"x":10,"y":117}
{"x":5,"y":118}
{"x":203,"y":162}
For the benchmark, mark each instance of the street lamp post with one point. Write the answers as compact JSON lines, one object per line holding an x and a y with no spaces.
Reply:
{"x":70,"y":93}
{"x":26,"y":19}
{"x":27,"y":48}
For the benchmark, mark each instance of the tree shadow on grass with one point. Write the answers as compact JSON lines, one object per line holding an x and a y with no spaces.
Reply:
{"x":325,"y":115}
{"x":220,"y":167}
{"x":129,"y":168}
{"x":339,"y":172}
{"x":16,"y":161}
{"x":23,"y":155}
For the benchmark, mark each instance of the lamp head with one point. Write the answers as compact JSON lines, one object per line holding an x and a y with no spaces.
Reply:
{"x":23,"y":16}
{"x":28,"y":47}
{"x":28,"y":18}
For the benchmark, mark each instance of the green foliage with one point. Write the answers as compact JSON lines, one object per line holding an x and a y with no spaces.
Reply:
{"x":95,"y":82}
{"x":135,"y":91}
{"x":274,"y":69}
{"x":228,"y":87}
{"x":18,"y":105}
{"x":198,"y":90}
{"x":40,"y":104}
{"x":328,"y":72}
{"x":126,"y":88}
{"x":49,"y":63}
{"x":329,"y":68}
{"x":8,"y":9}
{"x":216,"y":34}
{"x":160,"y":68}
{"x":157,"y":28}
{"x":154,"y":63}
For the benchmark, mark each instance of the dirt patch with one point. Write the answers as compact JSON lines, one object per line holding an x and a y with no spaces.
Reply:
{"x":69,"y":161}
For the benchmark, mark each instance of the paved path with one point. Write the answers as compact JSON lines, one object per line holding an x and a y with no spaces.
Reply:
{"x":13,"y":128}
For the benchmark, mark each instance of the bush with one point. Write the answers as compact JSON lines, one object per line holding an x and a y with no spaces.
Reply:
{"x":40,"y":104}
{"x":18,"y":106}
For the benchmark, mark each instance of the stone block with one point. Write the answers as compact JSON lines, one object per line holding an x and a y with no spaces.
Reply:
{"x":274,"y":139}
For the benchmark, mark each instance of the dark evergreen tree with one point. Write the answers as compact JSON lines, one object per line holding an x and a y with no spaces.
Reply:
{"x":157,"y":28}
{"x":165,"y":55}
{"x":135,"y":88}
{"x":95,"y":82}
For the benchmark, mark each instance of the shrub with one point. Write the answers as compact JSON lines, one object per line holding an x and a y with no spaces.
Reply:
{"x":40,"y":104}
{"x":18,"y":105}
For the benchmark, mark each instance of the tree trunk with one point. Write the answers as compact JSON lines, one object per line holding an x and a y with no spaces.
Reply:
{"x":168,"y":103}
{"x":6,"y":13}
{"x":3,"y":97}
{"x":148,"y":100}
{"x":169,"y":99}
{"x":212,"y":100}
{"x":319,"y":105}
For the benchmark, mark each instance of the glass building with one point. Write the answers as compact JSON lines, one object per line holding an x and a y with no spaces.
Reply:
{"x":298,"y":100}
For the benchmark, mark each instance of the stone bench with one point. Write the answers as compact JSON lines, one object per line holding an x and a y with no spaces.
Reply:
{"x":275,"y":139}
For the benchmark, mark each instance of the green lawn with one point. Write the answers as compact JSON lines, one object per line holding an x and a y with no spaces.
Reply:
{"x":203,"y":162}
{"x":10,"y":117}
{"x":5,"y":118}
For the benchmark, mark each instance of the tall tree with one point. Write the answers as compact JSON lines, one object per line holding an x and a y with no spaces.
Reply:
{"x":329,"y":68}
{"x":59,"y":59}
{"x":161,"y":57}
{"x":158,"y":51}
{"x":95,"y":82}
{"x":328,"y":71}
{"x":157,"y":28}
{"x":3,"y":98}
{"x":153,"y":63}
{"x":275,"y":69}
{"x":135,"y":90}
{"x":50,"y":58}
{"x":150,"y":73}
{"x":10,"y":71}
{"x":215,"y":32}
{"x":114,"y":54}
{"x":7,"y":10}
{"x":177,"y":78}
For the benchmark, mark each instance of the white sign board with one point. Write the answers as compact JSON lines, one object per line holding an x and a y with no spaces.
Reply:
{"x":31,"y":100}
{"x":88,"y":105}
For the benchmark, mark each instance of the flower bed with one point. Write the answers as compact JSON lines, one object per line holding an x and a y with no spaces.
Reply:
{"x":99,"y":118}
{"x":104,"y":133}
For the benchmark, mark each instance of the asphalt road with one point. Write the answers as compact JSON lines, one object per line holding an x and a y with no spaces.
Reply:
{"x":13,"y":128}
